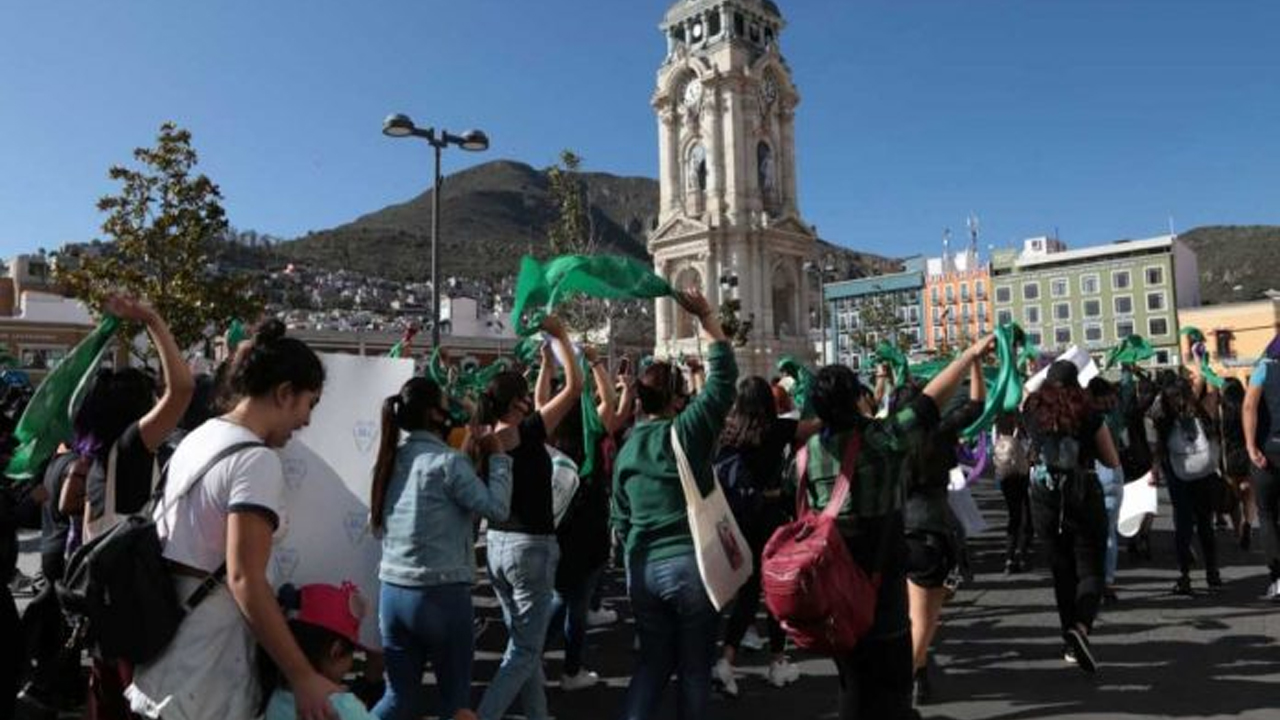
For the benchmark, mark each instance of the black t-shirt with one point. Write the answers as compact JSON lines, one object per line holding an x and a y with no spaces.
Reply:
{"x":531,"y":482}
{"x":926,"y":505}
{"x":767,"y":459}
{"x":134,"y":467}
{"x":1086,"y":436}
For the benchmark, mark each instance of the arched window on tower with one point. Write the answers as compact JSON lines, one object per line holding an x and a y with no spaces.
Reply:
{"x":696,"y":170}
{"x":784,"y":301}
{"x":765,"y":171}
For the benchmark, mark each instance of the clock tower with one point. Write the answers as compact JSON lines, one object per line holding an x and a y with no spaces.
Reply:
{"x":729,"y":221}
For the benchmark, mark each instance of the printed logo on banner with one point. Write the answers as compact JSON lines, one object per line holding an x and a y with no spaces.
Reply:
{"x":365,"y":432}
{"x":286,"y":561}
{"x":356,"y":524}
{"x":295,"y":471}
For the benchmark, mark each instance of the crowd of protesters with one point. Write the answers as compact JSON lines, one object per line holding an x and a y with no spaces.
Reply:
{"x":556,"y":499}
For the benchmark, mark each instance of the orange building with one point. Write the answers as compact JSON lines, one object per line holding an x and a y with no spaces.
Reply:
{"x":957,"y":300}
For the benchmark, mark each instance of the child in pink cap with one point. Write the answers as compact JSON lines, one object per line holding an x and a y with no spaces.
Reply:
{"x":325,"y":620}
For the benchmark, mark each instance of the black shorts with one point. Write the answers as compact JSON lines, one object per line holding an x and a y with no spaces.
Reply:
{"x":931,"y":556}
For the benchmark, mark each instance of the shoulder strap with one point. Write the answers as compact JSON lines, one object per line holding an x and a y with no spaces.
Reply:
{"x":218,"y":457}
{"x":839,"y":494}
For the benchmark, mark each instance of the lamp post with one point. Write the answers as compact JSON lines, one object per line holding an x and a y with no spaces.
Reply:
{"x":398,"y":126}
{"x":822,"y":270}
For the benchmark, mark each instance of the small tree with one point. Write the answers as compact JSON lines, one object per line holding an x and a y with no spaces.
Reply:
{"x":572,"y":232}
{"x":165,"y":223}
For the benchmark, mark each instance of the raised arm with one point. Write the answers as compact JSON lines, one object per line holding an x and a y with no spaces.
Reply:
{"x":179,"y":386}
{"x":564,"y":401}
{"x":546,"y":373}
{"x":607,"y":404}
{"x":944,"y":384}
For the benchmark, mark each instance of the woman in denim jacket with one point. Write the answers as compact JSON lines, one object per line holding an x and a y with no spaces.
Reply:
{"x":424,"y":496}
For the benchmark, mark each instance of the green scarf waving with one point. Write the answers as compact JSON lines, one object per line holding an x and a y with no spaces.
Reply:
{"x":1200,"y":351}
{"x":1006,"y":393}
{"x":540,"y":287}
{"x":46,"y":423}
{"x":802,"y":390}
{"x":1131,"y":351}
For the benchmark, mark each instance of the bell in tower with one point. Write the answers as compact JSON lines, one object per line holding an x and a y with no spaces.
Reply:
{"x":729,"y":214}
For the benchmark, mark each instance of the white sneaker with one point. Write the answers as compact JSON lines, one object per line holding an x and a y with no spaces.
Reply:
{"x":603,"y":616}
{"x":782,"y":673}
{"x":722,"y":675}
{"x":1273,"y":591}
{"x":583,"y":680}
{"x":752,"y":640}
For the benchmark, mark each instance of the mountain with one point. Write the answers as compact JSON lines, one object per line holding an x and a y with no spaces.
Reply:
{"x":490,"y":216}
{"x":1235,"y":256}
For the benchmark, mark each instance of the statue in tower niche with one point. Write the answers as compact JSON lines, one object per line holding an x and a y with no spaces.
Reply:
{"x":728,"y":211}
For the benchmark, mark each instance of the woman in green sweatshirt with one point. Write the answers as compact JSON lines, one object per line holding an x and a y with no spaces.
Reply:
{"x":675,"y":619}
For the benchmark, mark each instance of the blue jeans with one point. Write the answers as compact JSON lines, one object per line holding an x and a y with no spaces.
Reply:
{"x":569,"y":613}
{"x":421,"y":624}
{"x":677,"y":627}
{"x":1112,"y":482}
{"x":523,"y":571}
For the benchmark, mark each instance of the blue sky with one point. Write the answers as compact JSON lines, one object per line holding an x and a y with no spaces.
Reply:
{"x":1101,"y":118}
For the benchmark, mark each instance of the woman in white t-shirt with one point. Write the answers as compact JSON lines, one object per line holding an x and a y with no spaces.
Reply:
{"x":231,"y":515}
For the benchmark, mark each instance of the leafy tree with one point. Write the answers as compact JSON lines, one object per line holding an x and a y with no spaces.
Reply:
{"x":572,"y":232}
{"x":731,"y":321}
{"x":165,"y":223}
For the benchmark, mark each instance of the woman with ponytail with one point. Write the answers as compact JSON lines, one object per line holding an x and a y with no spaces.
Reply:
{"x":424,"y":494}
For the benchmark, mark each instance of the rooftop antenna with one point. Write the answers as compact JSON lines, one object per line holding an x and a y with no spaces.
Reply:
{"x":946,"y":250}
{"x":972,"y":222}
{"x":1171,"y":230}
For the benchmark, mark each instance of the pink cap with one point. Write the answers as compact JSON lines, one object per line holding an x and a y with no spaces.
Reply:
{"x":337,"y":609}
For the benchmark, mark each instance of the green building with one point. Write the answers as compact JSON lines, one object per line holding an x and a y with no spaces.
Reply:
{"x":1096,"y":296}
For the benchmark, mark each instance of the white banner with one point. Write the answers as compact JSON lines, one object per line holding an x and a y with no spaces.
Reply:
{"x":1082,"y":360}
{"x":327,"y":468}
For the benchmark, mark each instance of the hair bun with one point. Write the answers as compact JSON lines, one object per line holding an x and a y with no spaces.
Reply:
{"x":268,"y":331}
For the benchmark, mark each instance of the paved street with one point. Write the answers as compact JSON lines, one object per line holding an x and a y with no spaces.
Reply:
{"x":1162,"y":656}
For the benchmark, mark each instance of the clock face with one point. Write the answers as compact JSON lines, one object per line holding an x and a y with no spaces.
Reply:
{"x":692,"y":92}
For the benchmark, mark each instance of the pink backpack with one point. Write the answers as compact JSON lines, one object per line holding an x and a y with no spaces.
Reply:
{"x":824,"y":600}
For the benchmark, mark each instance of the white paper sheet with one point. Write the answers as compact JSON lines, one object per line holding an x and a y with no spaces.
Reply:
{"x":1140,"y":500}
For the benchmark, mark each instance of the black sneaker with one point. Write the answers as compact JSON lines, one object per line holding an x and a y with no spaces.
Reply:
{"x":1079,"y":644}
{"x":1183,"y":586}
{"x":1213,"y":579}
{"x":1246,"y":537}
{"x":921,"y":692}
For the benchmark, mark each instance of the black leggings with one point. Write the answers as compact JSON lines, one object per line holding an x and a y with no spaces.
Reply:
{"x":748,"y":601}
{"x":1072,"y":524}
{"x":1017,"y":499}
{"x":1193,"y":514}
{"x":1266,"y":490}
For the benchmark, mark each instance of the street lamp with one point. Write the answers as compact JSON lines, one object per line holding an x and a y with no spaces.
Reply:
{"x":823,"y":270}
{"x":400,"y":125}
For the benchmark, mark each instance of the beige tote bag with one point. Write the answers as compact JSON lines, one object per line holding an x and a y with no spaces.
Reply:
{"x":724,"y":557}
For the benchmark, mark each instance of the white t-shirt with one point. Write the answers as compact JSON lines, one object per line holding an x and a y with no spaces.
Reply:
{"x":194,"y":527}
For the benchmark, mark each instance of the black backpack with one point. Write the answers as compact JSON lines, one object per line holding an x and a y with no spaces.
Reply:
{"x":117,"y":589}
{"x":741,"y":489}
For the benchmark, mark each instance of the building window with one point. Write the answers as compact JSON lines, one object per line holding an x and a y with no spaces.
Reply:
{"x":1089,"y":285}
{"x":1124,"y":328}
{"x":1058,"y":287}
{"x":1032,"y":314}
{"x":933,"y":294}
{"x":937,"y":333}
{"x":1092,"y":308}
{"x":1004,"y":295}
{"x":1124,"y":305}
{"x":964,"y":292}
{"x":1223,"y":340}
{"x":1155,"y":276}
{"x":1062,"y":311}
{"x":934,"y":313}
{"x":1162,"y":357}
{"x":982,"y":312}
{"x":951,"y":293}
{"x":1033,"y":338}
{"x":980,"y":289}
{"x":1062,"y":336}
{"x":1031,"y":291}
{"x":1004,"y":317}
{"x":1155,"y":301}
{"x":1121,"y":280}
{"x":1093,"y":333}
{"x":1157,"y":327}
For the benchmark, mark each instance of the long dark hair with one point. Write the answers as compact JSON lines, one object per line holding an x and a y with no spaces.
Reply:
{"x":1060,"y":406}
{"x":406,"y":411}
{"x":115,"y":400}
{"x":269,"y":360}
{"x":754,"y":411}
{"x":1179,"y":404}
{"x":836,"y":392}
{"x":504,"y":389}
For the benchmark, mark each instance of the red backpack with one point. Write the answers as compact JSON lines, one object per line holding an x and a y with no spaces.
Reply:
{"x":824,"y":600}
